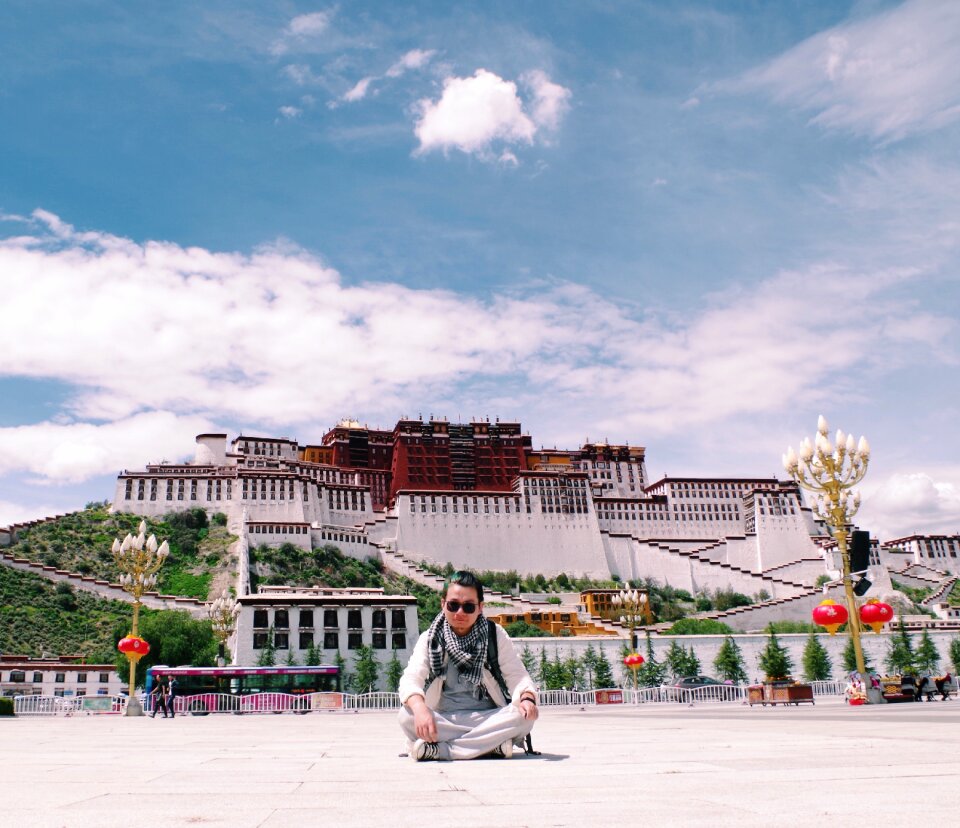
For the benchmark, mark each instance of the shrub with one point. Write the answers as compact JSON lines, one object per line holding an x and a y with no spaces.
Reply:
{"x":6,"y":707}
{"x":218,"y":519}
{"x":699,"y":626}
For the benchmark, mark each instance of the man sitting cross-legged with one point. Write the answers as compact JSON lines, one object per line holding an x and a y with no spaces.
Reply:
{"x":455,"y":706}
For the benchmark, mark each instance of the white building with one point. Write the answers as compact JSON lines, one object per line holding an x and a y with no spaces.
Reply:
{"x":66,"y":676}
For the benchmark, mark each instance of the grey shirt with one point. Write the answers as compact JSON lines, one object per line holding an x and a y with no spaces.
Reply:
{"x":459,"y":694}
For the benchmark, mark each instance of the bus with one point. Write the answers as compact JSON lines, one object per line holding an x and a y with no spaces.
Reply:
{"x":202,"y":690}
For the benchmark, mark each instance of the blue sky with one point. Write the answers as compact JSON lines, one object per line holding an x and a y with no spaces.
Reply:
{"x":690,"y":226}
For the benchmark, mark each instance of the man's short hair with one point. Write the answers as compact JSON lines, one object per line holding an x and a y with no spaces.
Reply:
{"x":464,"y":578}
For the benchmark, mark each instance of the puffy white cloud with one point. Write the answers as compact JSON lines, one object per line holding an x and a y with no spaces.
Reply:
{"x":68,"y":453}
{"x":887,"y":76}
{"x":11,"y":513}
{"x":474,"y":113}
{"x":290,"y":111}
{"x":550,"y":100}
{"x":414,"y":59}
{"x":160,"y":340}
{"x":914,"y":502}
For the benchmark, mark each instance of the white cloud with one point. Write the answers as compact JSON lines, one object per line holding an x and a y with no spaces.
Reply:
{"x":171,"y":340}
{"x":290,"y":111}
{"x":300,"y":74}
{"x":914,"y":502}
{"x":301,"y":30}
{"x":358,"y":91}
{"x":11,"y":513}
{"x":414,"y":59}
{"x":550,"y":100}
{"x":476,"y":112}
{"x":887,"y":76}
{"x":69,"y":453}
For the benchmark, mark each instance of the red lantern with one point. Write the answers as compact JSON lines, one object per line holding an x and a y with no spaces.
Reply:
{"x":875,"y":614}
{"x":831,"y":615}
{"x":133,"y":647}
{"x":633,"y":661}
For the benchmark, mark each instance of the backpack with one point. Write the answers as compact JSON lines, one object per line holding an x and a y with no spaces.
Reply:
{"x":493,"y":663}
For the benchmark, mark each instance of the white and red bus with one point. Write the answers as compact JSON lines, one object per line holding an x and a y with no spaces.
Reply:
{"x":202,"y":690}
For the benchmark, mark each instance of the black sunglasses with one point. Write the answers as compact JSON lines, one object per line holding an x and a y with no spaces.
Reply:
{"x":468,"y":606}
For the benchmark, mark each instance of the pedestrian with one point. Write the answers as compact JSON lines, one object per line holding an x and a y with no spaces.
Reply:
{"x":158,"y":699}
{"x":458,"y":701}
{"x":171,"y":695}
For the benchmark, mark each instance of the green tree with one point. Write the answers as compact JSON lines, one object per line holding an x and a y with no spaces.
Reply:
{"x":268,"y":653}
{"x":544,"y":672}
{"x":529,"y":660}
{"x":955,"y":654}
{"x":849,"y":658}
{"x":603,"y":672}
{"x":394,"y":672}
{"x":589,"y":662}
{"x":346,"y":679}
{"x":313,"y":656}
{"x":175,"y":638}
{"x":816,"y":660}
{"x":367,"y":669}
{"x":927,"y":658}
{"x":693,"y":663}
{"x":900,"y":656}
{"x":775,"y":661}
{"x":291,"y":659}
{"x":524,"y":629}
{"x":676,"y":660}
{"x":652,"y":673}
{"x":574,"y":670}
{"x":729,"y":661}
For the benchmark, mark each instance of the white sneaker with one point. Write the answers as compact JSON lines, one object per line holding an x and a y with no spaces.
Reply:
{"x":424,"y":751}
{"x":504,"y":751}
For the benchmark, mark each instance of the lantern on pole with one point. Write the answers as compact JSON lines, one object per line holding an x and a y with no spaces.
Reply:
{"x":634,"y":662}
{"x":831,"y":615}
{"x":875,"y":614}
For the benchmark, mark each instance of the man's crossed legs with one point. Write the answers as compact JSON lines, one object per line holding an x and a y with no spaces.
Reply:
{"x":471,"y":733}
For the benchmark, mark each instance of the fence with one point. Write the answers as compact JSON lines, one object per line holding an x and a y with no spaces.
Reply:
{"x":205,"y":703}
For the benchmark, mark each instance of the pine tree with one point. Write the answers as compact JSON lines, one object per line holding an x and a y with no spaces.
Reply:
{"x":291,"y":659}
{"x":729,"y":661}
{"x":589,"y":662}
{"x":927,"y":659}
{"x":268,"y":654}
{"x":849,"y":658}
{"x":346,"y":680}
{"x":529,"y":660}
{"x":775,"y":661}
{"x":367,"y":669}
{"x":544,"y":672}
{"x":652,"y":673}
{"x":693,"y":663}
{"x":574,"y":671}
{"x":955,"y":654}
{"x":676,"y":660}
{"x":394,"y":673}
{"x":816,"y":660}
{"x":603,"y":675}
{"x":312,"y":658}
{"x":900,"y":657}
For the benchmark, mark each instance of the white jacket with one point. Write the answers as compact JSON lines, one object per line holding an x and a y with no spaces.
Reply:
{"x":515,"y":675}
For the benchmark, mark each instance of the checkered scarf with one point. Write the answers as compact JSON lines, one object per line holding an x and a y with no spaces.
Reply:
{"x":468,"y":651}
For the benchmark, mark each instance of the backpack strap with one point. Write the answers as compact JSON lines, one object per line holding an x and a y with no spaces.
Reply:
{"x":493,"y":658}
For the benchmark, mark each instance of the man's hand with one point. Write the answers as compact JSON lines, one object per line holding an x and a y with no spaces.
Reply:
{"x":529,"y":708}
{"x":425,"y":724}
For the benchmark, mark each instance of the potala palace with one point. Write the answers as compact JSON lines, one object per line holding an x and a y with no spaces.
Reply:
{"x":478,"y":495}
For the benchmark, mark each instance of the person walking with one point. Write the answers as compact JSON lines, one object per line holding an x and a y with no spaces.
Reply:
{"x":158,"y":699}
{"x":171,"y":695}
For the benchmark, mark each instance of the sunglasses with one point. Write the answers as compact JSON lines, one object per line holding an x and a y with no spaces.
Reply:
{"x":455,"y":606}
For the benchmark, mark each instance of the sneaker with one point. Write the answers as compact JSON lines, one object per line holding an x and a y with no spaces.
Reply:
{"x":504,"y":751}
{"x":424,"y":751}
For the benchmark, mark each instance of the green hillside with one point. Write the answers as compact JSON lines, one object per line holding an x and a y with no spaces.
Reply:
{"x":80,"y":542}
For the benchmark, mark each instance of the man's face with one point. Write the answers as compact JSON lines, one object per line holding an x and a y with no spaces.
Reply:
{"x":461,"y":621}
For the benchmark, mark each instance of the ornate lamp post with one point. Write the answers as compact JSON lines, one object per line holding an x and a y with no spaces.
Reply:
{"x":634,"y":661}
{"x":633,"y":608}
{"x":223,"y":617}
{"x":830,"y":471}
{"x":138,"y":559}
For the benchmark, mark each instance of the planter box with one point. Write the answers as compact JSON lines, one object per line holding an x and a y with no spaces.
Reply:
{"x":775,"y":693}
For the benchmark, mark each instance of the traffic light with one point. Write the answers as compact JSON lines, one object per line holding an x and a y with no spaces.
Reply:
{"x":859,"y":551}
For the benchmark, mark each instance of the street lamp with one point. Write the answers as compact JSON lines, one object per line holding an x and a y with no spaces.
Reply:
{"x":830,"y":471}
{"x":138,"y":559}
{"x":223,"y":617}
{"x":633,"y":608}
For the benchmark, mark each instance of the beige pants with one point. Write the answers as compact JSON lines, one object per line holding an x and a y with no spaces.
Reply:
{"x":472,"y":733}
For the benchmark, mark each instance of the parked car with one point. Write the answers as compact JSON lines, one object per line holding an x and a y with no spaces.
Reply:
{"x":723,"y":691}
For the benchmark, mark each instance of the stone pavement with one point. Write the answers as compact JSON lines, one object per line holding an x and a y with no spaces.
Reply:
{"x":660,"y":764}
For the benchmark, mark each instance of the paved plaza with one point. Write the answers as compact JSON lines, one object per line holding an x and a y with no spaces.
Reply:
{"x":657,"y":764}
